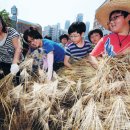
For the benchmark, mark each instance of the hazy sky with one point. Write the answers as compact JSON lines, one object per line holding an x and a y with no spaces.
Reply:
{"x":50,"y":12}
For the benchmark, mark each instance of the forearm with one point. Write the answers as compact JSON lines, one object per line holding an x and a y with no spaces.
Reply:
{"x":16,"y":56}
{"x":93,"y":61}
{"x":66,"y":61}
{"x":50,"y":60}
{"x":67,"y":64}
{"x":18,"y":49}
{"x":49,"y":73}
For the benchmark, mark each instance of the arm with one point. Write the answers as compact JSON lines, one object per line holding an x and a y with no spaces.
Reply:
{"x":98,"y":49}
{"x":93,"y":61}
{"x":66,"y":61}
{"x":50,"y":61}
{"x":14,"y":67}
{"x":17,"y":45}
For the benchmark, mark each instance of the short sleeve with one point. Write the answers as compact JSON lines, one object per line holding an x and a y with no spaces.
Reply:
{"x":12,"y":32}
{"x":67,"y":51}
{"x":48,"y":46}
{"x":98,"y":49}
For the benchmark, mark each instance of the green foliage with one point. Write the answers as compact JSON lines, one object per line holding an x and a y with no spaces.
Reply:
{"x":5,"y":16}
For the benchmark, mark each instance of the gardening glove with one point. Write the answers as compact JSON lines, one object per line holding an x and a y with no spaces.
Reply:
{"x":14,"y":69}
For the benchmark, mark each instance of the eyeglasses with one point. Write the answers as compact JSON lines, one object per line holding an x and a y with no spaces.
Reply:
{"x":75,"y":36}
{"x":114,"y":18}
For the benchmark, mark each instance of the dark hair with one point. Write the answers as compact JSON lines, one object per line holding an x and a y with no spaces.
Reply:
{"x":64,"y":36}
{"x":124,"y":13}
{"x":4,"y":29}
{"x":32,"y":32}
{"x":95,"y":31}
{"x":48,"y":37}
{"x":78,"y":27}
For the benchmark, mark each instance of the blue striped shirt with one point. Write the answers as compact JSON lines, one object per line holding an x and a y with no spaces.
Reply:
{"x":78,"y":52}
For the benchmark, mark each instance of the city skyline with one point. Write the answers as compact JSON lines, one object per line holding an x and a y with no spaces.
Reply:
{"x":53,"y":12}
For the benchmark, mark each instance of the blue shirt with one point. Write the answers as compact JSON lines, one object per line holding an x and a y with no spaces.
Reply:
{"x":58,"y":50}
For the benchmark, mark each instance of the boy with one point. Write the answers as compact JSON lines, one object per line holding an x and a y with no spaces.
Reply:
{"x":78,"y":48}
{"x":95,"y":35}
{"x":116,"y":18}
{"x":64,"y":39}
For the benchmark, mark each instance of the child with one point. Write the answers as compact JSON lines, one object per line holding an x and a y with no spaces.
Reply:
{"x":95,"y":35}
{"x":78,"y":48}
{"x":64,"y":39}
{"x":54,"y":52}
{"x":114,"y":16}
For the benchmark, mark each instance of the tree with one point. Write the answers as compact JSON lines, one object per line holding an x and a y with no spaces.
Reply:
{"x":5,"y":16}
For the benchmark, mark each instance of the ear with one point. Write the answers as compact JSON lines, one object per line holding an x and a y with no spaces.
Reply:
{"x":129,"y":18}
{"x":82,"y":34}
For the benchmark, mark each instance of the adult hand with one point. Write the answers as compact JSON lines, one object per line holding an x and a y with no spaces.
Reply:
{"x":14,"y":69}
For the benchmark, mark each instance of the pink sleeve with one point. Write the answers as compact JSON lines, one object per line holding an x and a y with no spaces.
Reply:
{"x":98,"y":49}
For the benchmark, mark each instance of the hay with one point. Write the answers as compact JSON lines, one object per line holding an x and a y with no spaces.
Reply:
{"x":80,"y":98}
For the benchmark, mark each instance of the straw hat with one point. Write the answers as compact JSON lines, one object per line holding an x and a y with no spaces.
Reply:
{"x":103,"y":12}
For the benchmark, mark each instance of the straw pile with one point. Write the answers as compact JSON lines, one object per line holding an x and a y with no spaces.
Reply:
{"x":77,"y":99}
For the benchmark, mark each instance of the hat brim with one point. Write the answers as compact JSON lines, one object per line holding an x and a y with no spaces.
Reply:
{"x":103,"y":12}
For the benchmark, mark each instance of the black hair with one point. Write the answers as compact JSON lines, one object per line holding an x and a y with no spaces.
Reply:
{"x":78,"y":27}
{"x":4,"y":26}
{"x":64,"y":36}
{"x":95,"y":31}
{"x":124,"y":13}
{"x":32,"y":32}
{"x":48,"y":37}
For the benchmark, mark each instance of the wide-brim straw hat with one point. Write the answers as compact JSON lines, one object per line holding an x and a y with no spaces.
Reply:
{"x":103,"y":12}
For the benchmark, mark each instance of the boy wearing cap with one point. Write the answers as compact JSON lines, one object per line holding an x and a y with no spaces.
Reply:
{"x":114,"y":16}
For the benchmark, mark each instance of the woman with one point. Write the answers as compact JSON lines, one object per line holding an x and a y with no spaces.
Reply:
{"x":10,"y":49}
{"x":54,"y":52}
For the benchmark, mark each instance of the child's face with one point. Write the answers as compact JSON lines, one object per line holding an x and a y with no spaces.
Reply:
{"x":117,"y":22}
{"x":95,"y":37}
{"x":64,"y":40}
{"x":34,"y":43}
{"x":76,"y":37}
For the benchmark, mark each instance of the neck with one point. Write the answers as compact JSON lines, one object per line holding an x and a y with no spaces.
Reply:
{"x":2,"y":35}
{"x":125,"y":31}
{"x":80,"y":44}
{"x":40,"y":43}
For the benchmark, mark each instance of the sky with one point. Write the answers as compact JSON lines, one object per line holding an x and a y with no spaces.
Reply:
{"x":51,"y":12}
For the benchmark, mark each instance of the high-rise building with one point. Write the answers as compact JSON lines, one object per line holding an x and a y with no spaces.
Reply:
{"x":79,"y":17}
{"x":67,"y":24}
{"x":47,"y":31}
{"x":87,"y":27}
{"x":87,"y":30}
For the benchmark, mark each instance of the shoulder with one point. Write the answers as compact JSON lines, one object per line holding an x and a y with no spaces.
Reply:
{"x":48,"y":42}
{"x":111,"y":35}
{"x":12,"y":32}
{"x":71,"y":45}
{"x":87,"y":42}
{"x":10,"y":29}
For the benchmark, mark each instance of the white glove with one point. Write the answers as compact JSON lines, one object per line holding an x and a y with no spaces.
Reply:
{"x":14,"y":69}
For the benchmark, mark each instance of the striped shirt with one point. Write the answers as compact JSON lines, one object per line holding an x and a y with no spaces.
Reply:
{"x":78,"y":52}
{"x":7,"y":50}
